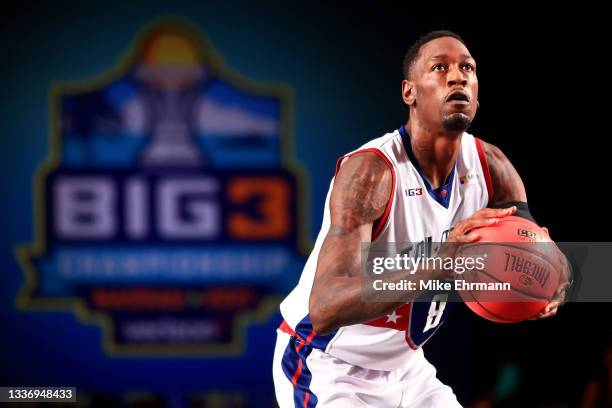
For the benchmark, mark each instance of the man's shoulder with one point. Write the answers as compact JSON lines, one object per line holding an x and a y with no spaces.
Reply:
{"x":376,"y":153}
{"x":379,"y":142}
{"x":493,"y":153}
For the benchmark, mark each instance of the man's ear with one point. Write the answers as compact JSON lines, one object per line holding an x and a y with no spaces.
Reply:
{"x":408,"y":92}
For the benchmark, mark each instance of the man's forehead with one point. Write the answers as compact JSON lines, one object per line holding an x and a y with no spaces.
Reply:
{"x":444,"y":47}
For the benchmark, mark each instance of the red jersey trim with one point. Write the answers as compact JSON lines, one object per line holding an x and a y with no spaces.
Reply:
{"x":485,"y":167}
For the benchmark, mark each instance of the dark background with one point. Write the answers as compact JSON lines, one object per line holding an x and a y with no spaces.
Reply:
{"x":538,"y":72}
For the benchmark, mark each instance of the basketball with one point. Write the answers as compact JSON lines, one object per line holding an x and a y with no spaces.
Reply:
{"x":518,"y":253}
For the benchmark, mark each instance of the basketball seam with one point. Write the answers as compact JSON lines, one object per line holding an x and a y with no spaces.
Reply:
{"x":504,"y":320}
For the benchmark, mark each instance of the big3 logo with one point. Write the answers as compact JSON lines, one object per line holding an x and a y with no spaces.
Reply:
{"x":168,"y":209}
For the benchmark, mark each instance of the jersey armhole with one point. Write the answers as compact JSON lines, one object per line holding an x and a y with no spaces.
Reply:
{"x":485,"y":168}
{"x":380,"y":223}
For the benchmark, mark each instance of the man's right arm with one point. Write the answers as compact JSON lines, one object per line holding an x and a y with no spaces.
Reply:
{"x":359,"y":197}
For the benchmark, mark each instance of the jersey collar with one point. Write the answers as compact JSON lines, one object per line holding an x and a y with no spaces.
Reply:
{"x":441,"y":194}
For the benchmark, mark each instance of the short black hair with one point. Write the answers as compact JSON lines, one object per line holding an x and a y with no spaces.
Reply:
{"x":413,"y":52}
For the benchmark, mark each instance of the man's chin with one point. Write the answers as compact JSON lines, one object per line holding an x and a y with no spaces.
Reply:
{"x":456,"y":122}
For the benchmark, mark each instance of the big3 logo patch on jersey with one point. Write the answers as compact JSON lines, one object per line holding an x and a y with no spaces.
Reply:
{"x":168,"y":208}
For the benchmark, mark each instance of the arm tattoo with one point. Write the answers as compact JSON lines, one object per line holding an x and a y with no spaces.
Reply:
{"x":359,"y":197}
{"x":361,"y":191}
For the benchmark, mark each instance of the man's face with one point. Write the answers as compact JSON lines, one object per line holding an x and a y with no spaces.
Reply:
{"x":444,"y":85}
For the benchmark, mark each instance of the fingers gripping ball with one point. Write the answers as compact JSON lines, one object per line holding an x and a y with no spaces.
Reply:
{"x":518,"y":252}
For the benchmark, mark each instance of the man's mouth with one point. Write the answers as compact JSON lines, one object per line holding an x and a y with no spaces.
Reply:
{"x":458,"y":96}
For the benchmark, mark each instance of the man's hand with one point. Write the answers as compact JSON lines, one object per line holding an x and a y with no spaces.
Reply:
{"x":551,"y":308}
{"x":463,"y":231}
{"x":549,"y":311}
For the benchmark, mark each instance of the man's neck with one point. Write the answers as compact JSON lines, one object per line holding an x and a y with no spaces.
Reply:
{"x":435,"y":150}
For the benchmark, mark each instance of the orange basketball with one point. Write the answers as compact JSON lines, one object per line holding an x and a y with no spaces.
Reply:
{"x":520,"y":254}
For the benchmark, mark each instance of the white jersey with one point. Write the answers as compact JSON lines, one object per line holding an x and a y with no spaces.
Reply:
{"x":416,"y":213}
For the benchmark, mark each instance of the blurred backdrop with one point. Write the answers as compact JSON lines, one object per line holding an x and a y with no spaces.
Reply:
{"x":164,"y":171}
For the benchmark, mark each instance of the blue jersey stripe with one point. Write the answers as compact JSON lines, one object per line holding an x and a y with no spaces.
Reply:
{"x":304,"y":329}
{"x":295,"y":352}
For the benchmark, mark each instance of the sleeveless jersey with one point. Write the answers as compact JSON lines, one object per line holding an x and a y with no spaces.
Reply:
{"x":415,"y":213}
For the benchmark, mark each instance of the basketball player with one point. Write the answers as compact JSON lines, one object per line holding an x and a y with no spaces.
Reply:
{"x":335,"y":349}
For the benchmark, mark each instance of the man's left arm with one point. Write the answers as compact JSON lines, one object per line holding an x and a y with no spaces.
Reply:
{"x":508,"y":190}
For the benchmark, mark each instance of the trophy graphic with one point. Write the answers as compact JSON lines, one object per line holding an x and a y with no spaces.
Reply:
{"x":170,"y":69}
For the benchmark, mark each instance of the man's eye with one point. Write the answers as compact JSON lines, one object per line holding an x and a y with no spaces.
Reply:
{"x":468,"y":67}
{"x":439,"y":67}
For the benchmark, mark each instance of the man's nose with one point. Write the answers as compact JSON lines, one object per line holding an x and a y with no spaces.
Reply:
{"x":456,"y":77}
